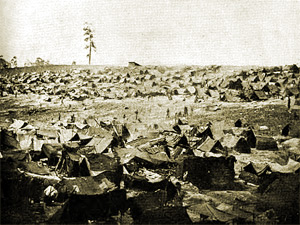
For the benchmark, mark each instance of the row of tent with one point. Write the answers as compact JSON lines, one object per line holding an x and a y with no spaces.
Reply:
{"x":170,"y":142}
{"x":258,"y":84}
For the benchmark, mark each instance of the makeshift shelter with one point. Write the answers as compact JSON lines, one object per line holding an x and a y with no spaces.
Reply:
{"x":52,"y":151}
{"x":258,"y":169}
{"x":146,"y":180}
{"x":281,"y":193}
{"x":271,"y":89}
{"x":245,"y":132}
{"x":17,"y":124}
{"x":213,"y":93}
{"x":237,"y":143}
{"x":73,"y":164}
{"x":253,"y":178}
{"x":101,"y":162}
{"x":174,"y":140}
{"x":235,"y":84}
{"x":47,"y":134}
{"x":133,"y":159}
{"x":292,"y":91}
{"x":35,"y":168}
{"x":122,"y":131}
{"x":91,"y":198}
{"x":210,"y":145}
{"x":229,"y":96}
{"x":98,"y":145}
{"x":292,"y":166}
{"x":204,"y":132}
{"x":82,"y":139}
{"x":242,"y":146}
{"x":133,"y":64}
{"x":266,"y":143}
{"x":258,"y":96}
{"x":198,"y":212}
{"x":9,"y":139}
{"x":207,"y":172}
{"x":238,"y":123}
{"x":184,"y":129}
{"x":294,"y":68}
{"x":254,"y":79}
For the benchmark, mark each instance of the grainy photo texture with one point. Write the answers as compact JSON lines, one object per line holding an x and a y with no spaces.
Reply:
{"x":150,"y":112}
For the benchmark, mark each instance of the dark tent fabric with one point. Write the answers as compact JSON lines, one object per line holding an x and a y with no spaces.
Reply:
{"x":34,"y":167}
{"x":257,"y":168}
{"x":242,"y":146}
{"x":258,"y":95}
{"x":99,"y":144}
{"x":73,"y":164}
{"x":177,"y":140}
{"x":211,"y":212}
{"x":86,"y":186}
{"x":204,"y":132}
{"x":51,"y":151}
{"x":266,"y":143}
{"x":100,"y":162}
{"x":207,"y":172}
{"x":210,"y":145}
{"x":9,"y":139}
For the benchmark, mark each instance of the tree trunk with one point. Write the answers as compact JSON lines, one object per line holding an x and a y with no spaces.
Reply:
{"x":90,"y":55}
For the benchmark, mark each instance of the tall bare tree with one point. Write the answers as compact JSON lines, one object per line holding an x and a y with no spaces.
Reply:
{"x":89,"y":38}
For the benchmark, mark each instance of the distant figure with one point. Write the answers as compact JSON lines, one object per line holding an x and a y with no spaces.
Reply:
{"x":168,"y":113}
{"x":185,"y":111}
{"x":179,"y":196}
{"x":136,"y":114}
{"x":50,"y":195}
{"x":73,"y":118}
{"x":62,"y":97}
{"x":289,"y":102}
{"x":169,"y":95}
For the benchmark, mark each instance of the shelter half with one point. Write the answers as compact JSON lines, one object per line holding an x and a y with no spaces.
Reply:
{"x":266,"y":143}
{"x":258,"y":96}
{"x":207,"y":172}
{"x":73,"y":164}
{"x":257,"y":168}
{"x":210,"y":145}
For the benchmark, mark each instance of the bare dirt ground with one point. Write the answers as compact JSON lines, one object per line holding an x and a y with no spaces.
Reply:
{"x":34,"y":108}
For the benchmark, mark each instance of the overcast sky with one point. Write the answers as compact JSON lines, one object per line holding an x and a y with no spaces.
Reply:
{"x":202,"y":32}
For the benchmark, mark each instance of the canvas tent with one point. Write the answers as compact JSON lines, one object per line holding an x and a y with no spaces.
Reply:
{"x":73,"y":164}
{"x":210,"y":145}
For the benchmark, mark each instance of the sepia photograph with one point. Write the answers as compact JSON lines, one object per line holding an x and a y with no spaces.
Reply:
{"x":150,"y":112}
